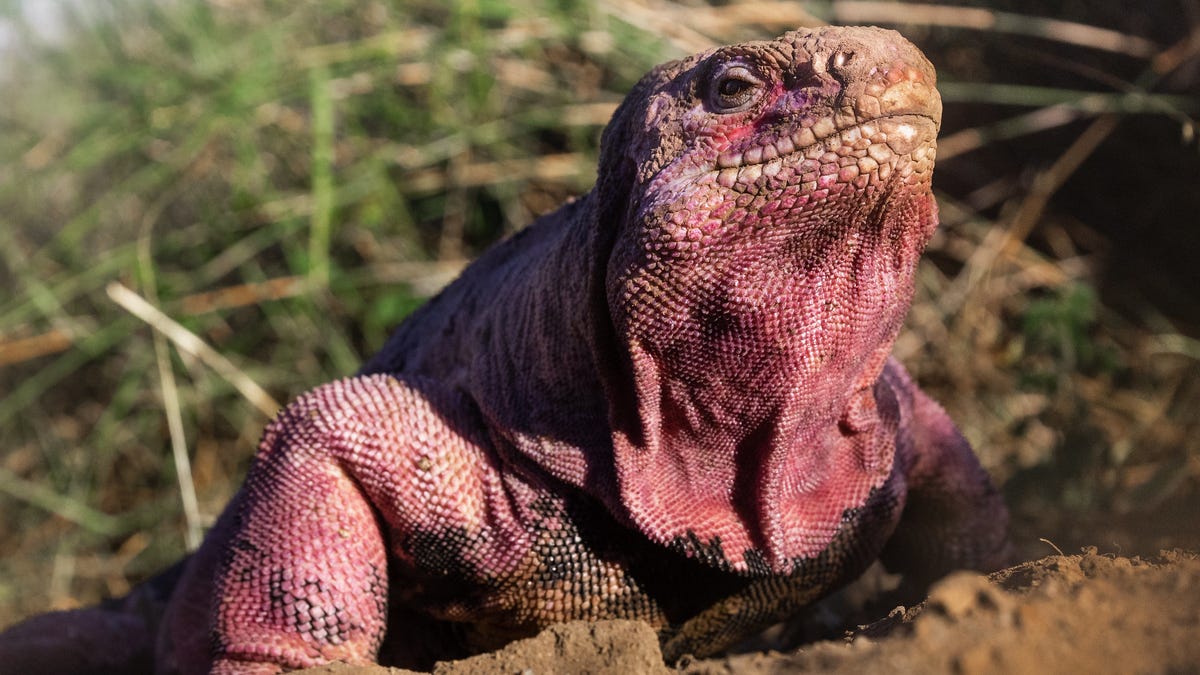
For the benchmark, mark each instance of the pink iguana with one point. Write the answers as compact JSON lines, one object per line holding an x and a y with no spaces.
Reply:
{"x":670,"y":400}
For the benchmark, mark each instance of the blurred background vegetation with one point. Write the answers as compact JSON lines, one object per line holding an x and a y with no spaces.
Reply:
{"x":209,"y":206}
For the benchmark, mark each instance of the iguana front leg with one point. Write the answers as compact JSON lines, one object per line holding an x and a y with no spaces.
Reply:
{"x":346,"y":476}
{"x":953,"y":518}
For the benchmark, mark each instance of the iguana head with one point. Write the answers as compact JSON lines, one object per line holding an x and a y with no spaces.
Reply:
{"x":768,"y":203}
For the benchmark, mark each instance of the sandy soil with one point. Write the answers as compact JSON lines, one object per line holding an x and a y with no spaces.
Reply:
{"x":1076,"y":613}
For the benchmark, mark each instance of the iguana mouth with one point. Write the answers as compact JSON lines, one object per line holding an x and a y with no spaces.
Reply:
{"x":898,"y":131}
{"x":867,"y":148}
{"x":885,"y":139}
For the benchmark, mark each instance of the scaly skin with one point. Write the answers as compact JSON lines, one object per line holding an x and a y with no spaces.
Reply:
{"x":670,"y":400}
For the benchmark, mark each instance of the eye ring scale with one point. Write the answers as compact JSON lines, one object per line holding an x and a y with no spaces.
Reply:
{"x":734,"y":87}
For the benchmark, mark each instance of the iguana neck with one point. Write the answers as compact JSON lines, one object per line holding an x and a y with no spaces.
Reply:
{"x":748,"y":418}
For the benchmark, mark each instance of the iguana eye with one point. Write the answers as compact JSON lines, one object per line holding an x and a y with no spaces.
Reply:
{"x":733,"y":88}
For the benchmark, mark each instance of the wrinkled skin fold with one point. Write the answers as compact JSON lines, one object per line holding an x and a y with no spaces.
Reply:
{"x":670,"y":400}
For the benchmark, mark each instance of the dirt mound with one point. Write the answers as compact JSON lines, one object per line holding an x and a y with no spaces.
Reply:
{"x":1078,"y":613}
{"x":600,"y":647}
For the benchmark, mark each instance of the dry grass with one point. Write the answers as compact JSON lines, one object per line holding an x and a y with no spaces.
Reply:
{"x":208,"y":207}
